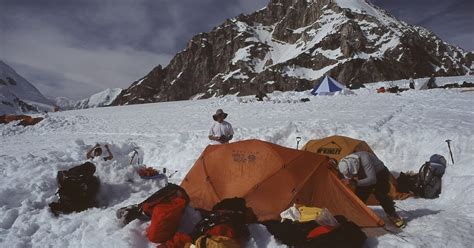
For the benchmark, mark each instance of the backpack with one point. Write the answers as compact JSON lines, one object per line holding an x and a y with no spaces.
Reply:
{"x":235,"y":220}
{"x":230,"y":212}
{"x":346,"y":235}
{"x":407,"y":183}
{"x":165,"y":220}
{"x":207,"y":241}
{"x":165,"y":194}
{"x":77,"y":189}
{"x":429,"y":177}
{"x":144,"y":210}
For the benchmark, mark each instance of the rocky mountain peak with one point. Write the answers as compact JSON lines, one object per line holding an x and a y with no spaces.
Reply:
{"x":17,"y":95}
{"x":290,"y":44}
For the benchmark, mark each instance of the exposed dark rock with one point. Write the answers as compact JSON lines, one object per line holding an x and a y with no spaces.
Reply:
{"x":289,"y":45}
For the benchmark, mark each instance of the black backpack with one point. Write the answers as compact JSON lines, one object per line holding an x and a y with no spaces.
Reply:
{"x":407,"y":183}
{"x":78,"y":188}
{"x":429,"y":177}
{"x":230,"y":211}
{"x":346,"y":235}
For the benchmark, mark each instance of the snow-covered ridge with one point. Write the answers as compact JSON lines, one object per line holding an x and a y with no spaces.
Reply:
{"x":100,"y":99}
{"x":328,"y":24}
{"x":17,"y":95}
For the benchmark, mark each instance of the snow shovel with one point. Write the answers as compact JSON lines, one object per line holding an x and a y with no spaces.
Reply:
{"x":298,"y":139}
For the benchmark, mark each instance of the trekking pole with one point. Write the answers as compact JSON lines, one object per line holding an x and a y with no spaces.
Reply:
{"x":135,"y":153}
{"x":298,"y":139}
{"x":450,"y":152}
{"x":396,"y":235}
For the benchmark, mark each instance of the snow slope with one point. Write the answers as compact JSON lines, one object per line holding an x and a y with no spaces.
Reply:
{"x":17,"y":95}
{"x":100,"y":99}
{"x":404,"y":130}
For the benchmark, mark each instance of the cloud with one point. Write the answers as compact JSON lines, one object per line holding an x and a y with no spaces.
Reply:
{"x":84,"y":70}
{"x":88,"y":51}
{"x":76,"y":48}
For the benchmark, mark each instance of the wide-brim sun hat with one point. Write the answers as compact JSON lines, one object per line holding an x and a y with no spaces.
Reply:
{"x":218,"y":113}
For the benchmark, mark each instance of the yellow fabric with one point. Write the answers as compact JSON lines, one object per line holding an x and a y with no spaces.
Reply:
{"x":309,"y":213}
{"x":336,"y":146}
{"x":216,"y":242}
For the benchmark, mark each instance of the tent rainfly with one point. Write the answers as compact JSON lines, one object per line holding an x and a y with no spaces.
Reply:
{"x":272,"y":178}
{"x":337,"y":147}
{"x":328,"y":86}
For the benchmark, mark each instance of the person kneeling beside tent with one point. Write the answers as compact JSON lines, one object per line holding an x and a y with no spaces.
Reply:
{"x":369,"y":175}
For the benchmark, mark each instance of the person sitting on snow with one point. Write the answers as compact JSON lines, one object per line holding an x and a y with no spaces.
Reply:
{"x":221,"y":131}
{"x":369,"y":175}
{"x":261,"y":95}
{"x":411,"y":82}
{"x":96,"y":152}
{"x":432,"y":82}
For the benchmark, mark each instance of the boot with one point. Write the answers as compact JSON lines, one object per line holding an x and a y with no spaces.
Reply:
{"x":397,"y":220}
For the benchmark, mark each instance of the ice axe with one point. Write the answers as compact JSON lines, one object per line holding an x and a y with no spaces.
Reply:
{"x":298,"y":139}
{"x":172,"y":174}
{"x":135,"y":154}
{"x":450,"y":151}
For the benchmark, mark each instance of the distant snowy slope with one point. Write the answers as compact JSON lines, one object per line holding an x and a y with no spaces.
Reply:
{"x":65,"y":103}
{"x":17,"y":95}
{"x":101,"y":99}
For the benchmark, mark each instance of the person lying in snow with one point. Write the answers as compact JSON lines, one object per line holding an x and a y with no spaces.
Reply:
{"x":369,"y":175}
{"x":96,"y":152}
{"x":221,"y":131}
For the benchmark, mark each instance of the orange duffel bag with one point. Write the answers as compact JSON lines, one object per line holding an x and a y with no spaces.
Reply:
{"x":165,"y":220}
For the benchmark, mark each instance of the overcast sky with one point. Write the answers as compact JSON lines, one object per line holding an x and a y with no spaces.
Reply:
{"x":75,"y":48}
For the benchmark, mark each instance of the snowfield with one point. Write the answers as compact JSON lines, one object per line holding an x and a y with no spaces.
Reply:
{"x":404,"y":130}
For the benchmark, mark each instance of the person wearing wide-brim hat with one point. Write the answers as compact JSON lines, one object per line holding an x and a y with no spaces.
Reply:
{"x":221,"y":131}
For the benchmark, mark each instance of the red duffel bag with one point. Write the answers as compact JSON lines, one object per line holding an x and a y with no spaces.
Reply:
{"x":165,"y":220}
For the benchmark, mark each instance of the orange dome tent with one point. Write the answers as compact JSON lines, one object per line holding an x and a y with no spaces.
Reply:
{"x":337,"y":147}
{"x":271,"y":178}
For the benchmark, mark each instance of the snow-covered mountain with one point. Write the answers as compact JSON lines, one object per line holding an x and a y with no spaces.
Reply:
{"x":65,"y":103}
{"x":101,"y":99}
{"x":291,"y":43}
{"x":17,"y":95}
